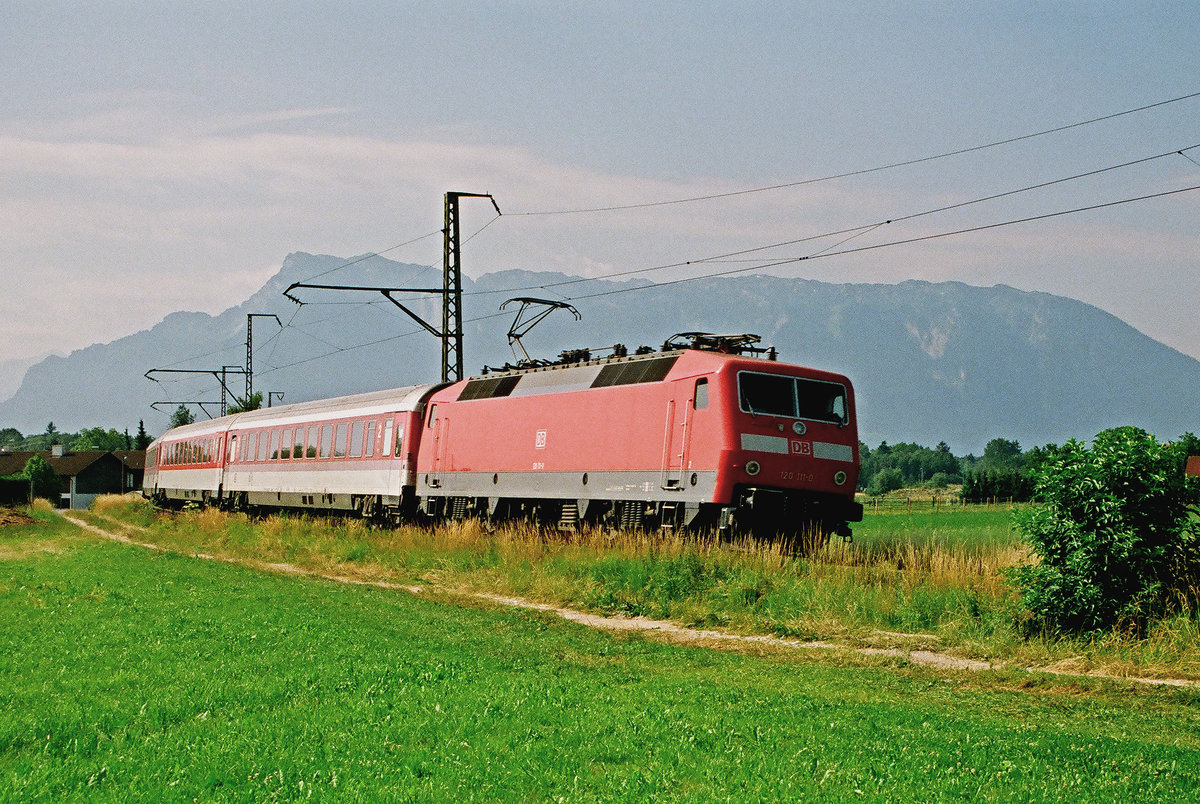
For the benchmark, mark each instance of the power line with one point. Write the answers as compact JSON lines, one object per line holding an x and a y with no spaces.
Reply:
{"x":342,"y":349}
{"x":889,"y":244}
{"x":863,"y":171}
{"x":365,"y":257}
{"x":854,"y":231}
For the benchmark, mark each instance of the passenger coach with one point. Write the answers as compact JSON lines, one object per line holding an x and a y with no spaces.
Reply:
{"x":352,"y":453}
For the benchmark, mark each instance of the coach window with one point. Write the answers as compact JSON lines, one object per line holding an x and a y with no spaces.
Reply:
{"x":339,"y":443}
{"x":274,"y":452}
{"x":386,"y":439}
{"x":326,"y":441}
{"x":262,"y":445}
{"x":356,"y":439}
{"x":369,"y":449}
{"x":310,"y":448}
{"x":298,"y":443}
{"x":700,"y":400}
{"x":399,"y":438}
{"x":285,"y":444}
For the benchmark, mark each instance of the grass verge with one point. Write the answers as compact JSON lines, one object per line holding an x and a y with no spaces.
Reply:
{"x":134,"y":675}
{"x":927,"y":580}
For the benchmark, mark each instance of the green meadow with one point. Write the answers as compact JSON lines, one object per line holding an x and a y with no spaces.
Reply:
{"x":136,"y":674}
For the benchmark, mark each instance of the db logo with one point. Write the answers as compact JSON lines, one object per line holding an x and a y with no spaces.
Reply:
{"x":539,"y":440}
{"x":802,"y":448}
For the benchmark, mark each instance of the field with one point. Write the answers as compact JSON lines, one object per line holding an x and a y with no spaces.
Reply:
{"x":132,"y":673}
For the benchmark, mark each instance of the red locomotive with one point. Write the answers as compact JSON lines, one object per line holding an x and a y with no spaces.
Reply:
{"x":699,"y":435}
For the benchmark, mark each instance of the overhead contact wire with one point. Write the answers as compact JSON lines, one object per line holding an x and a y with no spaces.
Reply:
{"x":922,"y":238}
{"x":854,"y":231}
{"x":863,"y":171}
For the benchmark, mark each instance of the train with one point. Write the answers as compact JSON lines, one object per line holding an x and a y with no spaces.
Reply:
{"x":708,"y":433}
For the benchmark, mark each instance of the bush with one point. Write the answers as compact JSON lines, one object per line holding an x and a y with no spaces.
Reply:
{"x":1114,"y":533}
{"x":886,"y":480}
{"x":941,"y":480}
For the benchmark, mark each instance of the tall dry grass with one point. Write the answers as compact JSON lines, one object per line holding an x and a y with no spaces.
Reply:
{"x":948,"y":591}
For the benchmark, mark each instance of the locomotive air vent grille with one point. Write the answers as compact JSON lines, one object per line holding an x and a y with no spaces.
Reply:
{"x":635,"y":371}
{"x":488,"y":388}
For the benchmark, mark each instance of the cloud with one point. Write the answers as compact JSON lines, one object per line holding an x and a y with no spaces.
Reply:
{"x":187,"y":212}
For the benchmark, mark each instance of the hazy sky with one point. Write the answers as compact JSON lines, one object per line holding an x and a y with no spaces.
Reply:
{"x":165,"y":156}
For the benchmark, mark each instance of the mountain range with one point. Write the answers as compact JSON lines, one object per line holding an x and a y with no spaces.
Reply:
{"x":930,"y":362}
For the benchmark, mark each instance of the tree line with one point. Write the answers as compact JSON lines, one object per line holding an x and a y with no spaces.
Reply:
{"x":1003,"y":471}
{"x":100,"y":438}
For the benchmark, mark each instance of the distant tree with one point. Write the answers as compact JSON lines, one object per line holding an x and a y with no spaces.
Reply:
{"x":141,"y":440}
{"x":182,"y":416}
{"x":1001,"y":474}
{"x":252,"y":402}
{"x":128,"y":440}
{"x":917,"y":464}
{"x":43,"y":481}
{"x":944,"y":461}
{"x":940,"y":480}
{"x":10,"y":436}
{"x":886,"y":480}
{"x":982,"y":485}
{"x":1000,"y":453}
{"x":98,"y":438}
{"x":52,"y":433}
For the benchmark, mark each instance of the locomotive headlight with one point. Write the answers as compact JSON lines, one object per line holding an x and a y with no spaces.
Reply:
{"x":752,"y":468}
{"x":839,"y":478}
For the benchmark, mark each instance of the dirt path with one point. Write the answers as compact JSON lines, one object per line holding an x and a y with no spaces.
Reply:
{"x":670,"y":630}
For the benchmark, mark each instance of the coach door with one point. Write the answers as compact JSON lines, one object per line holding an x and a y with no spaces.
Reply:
{"x":677,"y":439}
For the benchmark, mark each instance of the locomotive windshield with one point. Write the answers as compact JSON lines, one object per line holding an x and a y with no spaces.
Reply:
{"x":796,"y":398}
